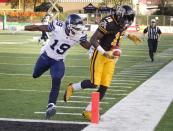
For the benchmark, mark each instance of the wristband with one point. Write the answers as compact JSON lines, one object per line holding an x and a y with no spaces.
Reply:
{"x":100,"y":49}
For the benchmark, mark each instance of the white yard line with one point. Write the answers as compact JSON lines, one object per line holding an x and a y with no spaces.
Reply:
{"x":22,"y":90}
{"x":14,"y":64}
{"x":12,"y":43}
{"x":17,"y":74}
{"x":71,"y":107}
{"x":132,"y":76}
{"x":88,"y":97}
{"x":41,"y":121}
{"x":72,"y":101}
{"x":116,"y":83}
{"x":134,"y":56}
{"x":128,"y":87}
{"x":60,"y":113}
{"x":125,"y":80}
{"x":133,"y":73}
{"x":116,"y":90}
{"x":143,"y":108}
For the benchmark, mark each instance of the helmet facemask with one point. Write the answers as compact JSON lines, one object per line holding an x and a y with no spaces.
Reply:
{"x":74,"y":25}
{"x":75,"y":29}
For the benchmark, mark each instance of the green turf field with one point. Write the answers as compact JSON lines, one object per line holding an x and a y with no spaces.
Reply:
{"x":21,"y":96}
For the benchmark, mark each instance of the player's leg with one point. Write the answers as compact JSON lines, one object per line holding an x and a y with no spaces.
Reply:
{"x":87,"y":113}
{"x":42,"y":65}
{"x":150,"y":46}
{"x":102,"y":89}
{"x":57,"y":72}
{"x":96,"y":66}
{"x":155,"y":44}
{"x":77,"y":86}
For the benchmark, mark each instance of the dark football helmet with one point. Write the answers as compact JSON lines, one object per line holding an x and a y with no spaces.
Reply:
{"x":125,"y":15}
{"x":74,"y":24}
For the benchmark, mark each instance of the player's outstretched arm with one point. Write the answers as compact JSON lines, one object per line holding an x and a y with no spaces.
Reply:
{"x":37,"y":28}
{"x":86,"y":45}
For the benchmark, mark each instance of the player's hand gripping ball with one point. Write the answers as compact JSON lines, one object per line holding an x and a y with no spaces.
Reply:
{"x":116,"y":53}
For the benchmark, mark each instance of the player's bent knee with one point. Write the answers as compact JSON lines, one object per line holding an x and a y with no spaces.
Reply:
{"x":87,"y":84}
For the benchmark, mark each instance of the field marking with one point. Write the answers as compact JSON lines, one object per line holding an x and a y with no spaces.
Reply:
{"x":23,"y":90}
{"x":60,"y":113}
{"x":41,"y":121}
{"x":116,"y":90}
{"x":13,"y":43}
{"x":34,"y":64}
{"x":133,"y":71}
{"x":116,"y":83}
{"x":124,"y":80}
{"x":114,"y":87}
{"x":87,"y":97}
{"x":71,"y":107}
{"x":16,"y":74}
{"x":134,"y":76}
{"x":86,"y":102}
{"x":140,"y":110}
{"x":134,"y":56}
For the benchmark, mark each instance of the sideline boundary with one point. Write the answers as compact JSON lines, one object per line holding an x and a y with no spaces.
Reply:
{"x":143,"y":108}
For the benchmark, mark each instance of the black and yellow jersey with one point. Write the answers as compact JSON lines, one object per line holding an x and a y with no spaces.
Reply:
{"x":110,"y":28}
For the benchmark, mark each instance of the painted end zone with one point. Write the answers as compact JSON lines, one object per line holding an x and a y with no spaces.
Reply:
{"x":39,"y":125}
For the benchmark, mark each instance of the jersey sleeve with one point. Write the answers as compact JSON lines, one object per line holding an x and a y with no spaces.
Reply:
{"x":145,"y":30}
{"x":159,"y":31}
{"x":51,"y":26}
{"x":83,"y":38}
{"x":103,"y":26}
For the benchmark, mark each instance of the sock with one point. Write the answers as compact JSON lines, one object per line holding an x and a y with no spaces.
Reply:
{"x":77,"y":86}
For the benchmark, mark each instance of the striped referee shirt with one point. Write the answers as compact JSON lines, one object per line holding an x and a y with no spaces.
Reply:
{"x":153,"y":32}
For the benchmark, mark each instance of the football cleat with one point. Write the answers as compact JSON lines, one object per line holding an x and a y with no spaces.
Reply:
{"x":68,"y":93}
{"x":87,"y":115}
{"x":51,"y":110}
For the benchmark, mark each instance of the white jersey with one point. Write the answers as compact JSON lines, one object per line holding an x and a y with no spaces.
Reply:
{"x":60,"y":42}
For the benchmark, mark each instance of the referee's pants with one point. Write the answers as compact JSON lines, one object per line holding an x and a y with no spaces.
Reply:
{"x":152,"y":45}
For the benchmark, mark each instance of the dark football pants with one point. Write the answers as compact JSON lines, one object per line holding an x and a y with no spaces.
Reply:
{"x":152,"y":45}
{"x":44,"y":36}
{"x":56,"y":70}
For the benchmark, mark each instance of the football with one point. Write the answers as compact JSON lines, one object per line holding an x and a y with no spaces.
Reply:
{"x":116,"y":52}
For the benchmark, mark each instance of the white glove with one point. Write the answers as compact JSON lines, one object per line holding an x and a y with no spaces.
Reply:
{"x":91,"y":51}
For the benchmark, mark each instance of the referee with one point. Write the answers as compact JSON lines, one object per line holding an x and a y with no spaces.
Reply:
{"x":153,"y":37}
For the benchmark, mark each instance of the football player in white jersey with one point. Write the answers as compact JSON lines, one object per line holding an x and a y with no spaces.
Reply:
{"x":64,"y":35}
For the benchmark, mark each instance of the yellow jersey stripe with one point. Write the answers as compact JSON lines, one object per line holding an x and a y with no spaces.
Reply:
{"x":102,"y":29}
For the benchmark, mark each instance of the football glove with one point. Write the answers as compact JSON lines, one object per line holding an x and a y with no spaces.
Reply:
{"x":90,"y":52}
{"x":113,"y":54}
{"x":116,"y":52}
{"x":134,"y":38}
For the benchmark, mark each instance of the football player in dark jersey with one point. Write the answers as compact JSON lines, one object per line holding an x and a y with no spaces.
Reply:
{"x":102,"y":64}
